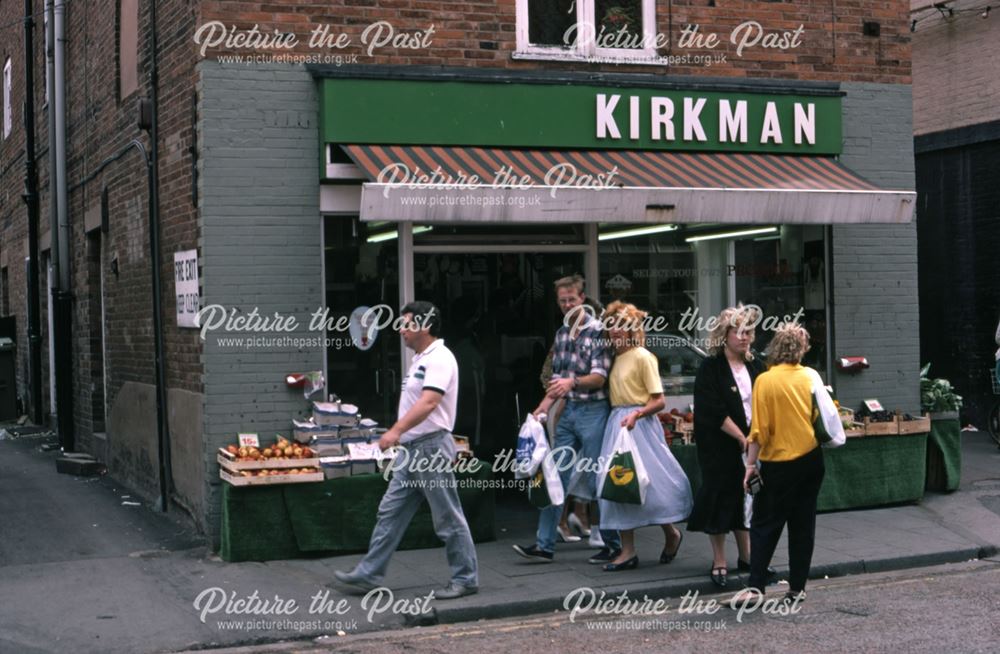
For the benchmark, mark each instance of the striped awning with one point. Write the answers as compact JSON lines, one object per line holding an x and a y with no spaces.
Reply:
{"x":531,"y":185}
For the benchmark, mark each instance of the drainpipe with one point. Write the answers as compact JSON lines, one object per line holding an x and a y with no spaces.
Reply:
{"x":162,"y":426}
{"x":31,"y":200}
{"x":62,"y":307}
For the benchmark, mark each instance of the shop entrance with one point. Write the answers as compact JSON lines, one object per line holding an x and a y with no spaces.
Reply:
{"x":494,"y":286}
{"x":500,"y":316}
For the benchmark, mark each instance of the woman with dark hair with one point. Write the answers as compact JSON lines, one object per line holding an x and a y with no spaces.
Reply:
{"x":722,"y":412}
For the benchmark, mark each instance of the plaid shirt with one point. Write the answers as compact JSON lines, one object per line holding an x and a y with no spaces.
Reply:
{"x":587,"y":354}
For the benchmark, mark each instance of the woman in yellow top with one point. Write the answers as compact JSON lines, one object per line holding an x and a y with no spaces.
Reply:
{"x":784,"y":447}
{"x":636,"y":397}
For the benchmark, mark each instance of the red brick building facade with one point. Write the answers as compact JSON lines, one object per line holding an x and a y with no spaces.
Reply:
{"x":859,"y":42}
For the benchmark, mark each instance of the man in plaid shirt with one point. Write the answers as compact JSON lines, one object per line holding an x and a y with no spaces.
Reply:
{"x":580,"y":366}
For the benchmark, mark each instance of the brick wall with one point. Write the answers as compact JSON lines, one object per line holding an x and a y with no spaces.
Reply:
{"x":261,"y":245}
{"x":99,"y":124}
{"x":875,"y":266}
{"x":955,"y":65}
{"x":483,"y":34}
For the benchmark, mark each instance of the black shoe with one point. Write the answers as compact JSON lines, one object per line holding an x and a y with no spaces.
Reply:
{"x":667,"y":557}
{"x":719,"y":576}
{"x":533,"y":553}
{"x":624,"y":565}
{"x":792,"y":596}
{"x":744,"y":566}
{"x":606,"y":555}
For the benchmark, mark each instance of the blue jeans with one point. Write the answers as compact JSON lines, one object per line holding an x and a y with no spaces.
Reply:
{"x":407,"y":489}
{"x":580,"y":427}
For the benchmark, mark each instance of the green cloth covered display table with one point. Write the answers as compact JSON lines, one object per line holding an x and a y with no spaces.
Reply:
{"x":336,"y":516}
{"x":944,"y":454}
{"x":865,"y":472}
{"x":874,"y":471}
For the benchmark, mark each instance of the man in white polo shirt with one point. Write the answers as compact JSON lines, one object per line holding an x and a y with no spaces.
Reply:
{"x":426,"y":417}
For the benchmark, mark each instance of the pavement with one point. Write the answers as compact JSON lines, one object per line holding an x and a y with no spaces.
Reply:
{"x":83,"y":570}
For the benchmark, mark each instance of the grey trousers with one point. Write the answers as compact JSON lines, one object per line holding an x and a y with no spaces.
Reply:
{"x":409,"y":485}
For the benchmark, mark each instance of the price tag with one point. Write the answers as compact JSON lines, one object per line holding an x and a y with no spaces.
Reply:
{"x":874,"y":405}
{"x":249,"y":440}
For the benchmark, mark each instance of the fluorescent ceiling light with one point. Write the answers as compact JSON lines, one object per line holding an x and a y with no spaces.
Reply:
{"x":638,"y":231}
{"x":733,"y":234}
{"x":390,"y":236}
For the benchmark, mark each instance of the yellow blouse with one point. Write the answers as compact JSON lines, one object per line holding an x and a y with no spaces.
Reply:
{"x":782,"y":413}
{"x":635,"y":376}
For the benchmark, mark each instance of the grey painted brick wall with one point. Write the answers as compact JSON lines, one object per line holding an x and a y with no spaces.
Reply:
{"x":875,"y":266}
{"x":260,"y":245}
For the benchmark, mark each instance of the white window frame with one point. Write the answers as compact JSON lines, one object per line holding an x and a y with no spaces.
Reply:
{"x":7,"y":81}
{"x":585,"y":10}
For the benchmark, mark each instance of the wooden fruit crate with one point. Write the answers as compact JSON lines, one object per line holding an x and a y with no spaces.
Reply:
{"x":239,"y":480}
{"x":882,"y":428}
{"x":921,"y":425}
{"x":855,"y":432}
{"x":228,"y":461}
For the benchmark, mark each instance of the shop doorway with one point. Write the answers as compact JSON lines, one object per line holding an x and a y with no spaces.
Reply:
{"x":500,"y":317}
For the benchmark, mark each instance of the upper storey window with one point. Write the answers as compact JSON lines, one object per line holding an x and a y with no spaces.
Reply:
{"x":621,"y":31}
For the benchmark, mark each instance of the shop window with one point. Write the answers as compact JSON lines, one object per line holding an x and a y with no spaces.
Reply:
{"x":616,"y":30}
{"x":128,"y":47}
{"x":785,"y":274}
{"x":683,"y":276}
{"x":7,"y":118}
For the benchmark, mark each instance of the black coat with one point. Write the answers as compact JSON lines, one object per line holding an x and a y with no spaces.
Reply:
{"x":716,"y":397}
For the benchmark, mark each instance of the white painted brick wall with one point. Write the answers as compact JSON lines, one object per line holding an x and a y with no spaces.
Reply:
{"x":875,"y":266}
{"x":261,"y":244}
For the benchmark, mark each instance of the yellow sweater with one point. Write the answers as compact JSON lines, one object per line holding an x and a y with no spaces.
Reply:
{"x":782,"y":413}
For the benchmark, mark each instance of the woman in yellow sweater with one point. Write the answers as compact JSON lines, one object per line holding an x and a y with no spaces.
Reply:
{"x":636,"y":397}
{"x":784,"y":447}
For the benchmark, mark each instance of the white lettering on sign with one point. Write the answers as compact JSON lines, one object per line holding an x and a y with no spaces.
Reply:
{"x":733,"y":120}
{"x":605,"y":116}
{"x":772,"y":126}
{"x":692,"y":119}
{"x":186,"y":288}
{"x":732,"y":123}
{"x":662,"y":116}
{"x":805,"y":123}
{"x":633,"y":116}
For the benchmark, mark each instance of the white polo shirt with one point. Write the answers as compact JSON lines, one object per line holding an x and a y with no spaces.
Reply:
{"x":433,"y":369}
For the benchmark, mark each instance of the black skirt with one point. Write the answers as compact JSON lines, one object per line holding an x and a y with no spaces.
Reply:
{"x":717,"y":511}
{"x":718,"y":504}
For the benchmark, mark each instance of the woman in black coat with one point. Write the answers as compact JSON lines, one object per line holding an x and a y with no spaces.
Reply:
{"x":722,"y":409}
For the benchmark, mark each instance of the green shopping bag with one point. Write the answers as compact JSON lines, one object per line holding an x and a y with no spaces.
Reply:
{"x":819,"y":428}
{"x":624,"y":479}
{"x":538,"y":492}
{"x":545,"y":487}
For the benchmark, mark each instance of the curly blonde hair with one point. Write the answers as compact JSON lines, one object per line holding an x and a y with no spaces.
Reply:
{"x":789,"y":344}
{"x":731,"y":318}
{"x":628,"y":317}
